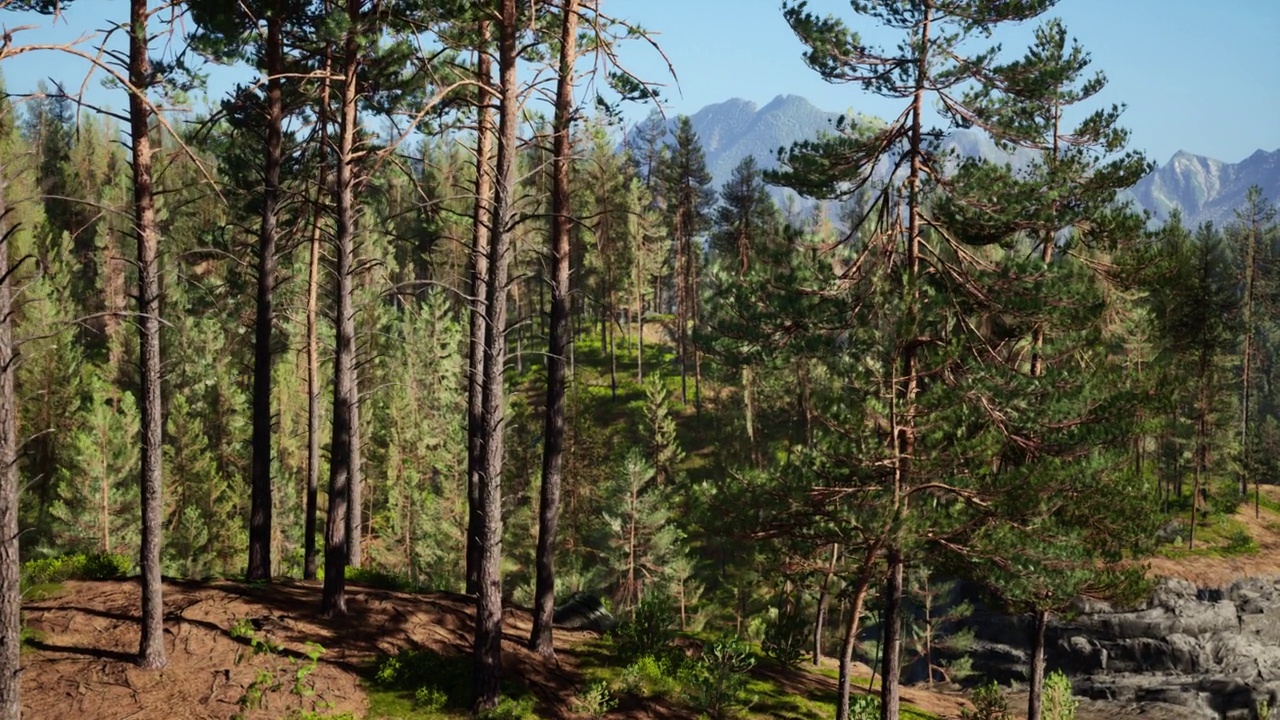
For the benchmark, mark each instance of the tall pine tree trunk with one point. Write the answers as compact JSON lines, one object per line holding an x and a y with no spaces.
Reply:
{"x":844,"y":681}
{"x":334,"y":602}
{"x":487,"y":671}
{"x":1035,"y":698}
{"x":10,"y":562}
{"x":355,"y":489}
{"x":480,"y":230}
{"x":891,"y":629}
{"x":554,"y":426}
{"x":260,"y":474}
{"x":824,"y":599}
{"x":313,"y":345}
{"x":151,"y":652}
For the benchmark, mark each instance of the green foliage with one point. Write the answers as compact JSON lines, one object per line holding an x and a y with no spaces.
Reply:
{"x":649,"y":675}
{"x":717,"y":681}
{"x":380,"y":578}
{"x":864,"y":707}
{"x":664,"y":445}
{"x":594,"y":700}
{"x":511,"y":709}
{"x":1239,"y":542}
{"x":78,"y":566}
{"x":989,"y":703}
{"x":426,"y":676}
{"x":1059,"y":703}
{"x":786,"y":639}
{"x":650,"y":631}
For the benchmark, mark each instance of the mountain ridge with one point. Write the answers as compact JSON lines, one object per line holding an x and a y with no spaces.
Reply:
{"x":1200,"y":187}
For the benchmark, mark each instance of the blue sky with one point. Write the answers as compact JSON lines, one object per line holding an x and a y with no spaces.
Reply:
{"x":1196,"y":75}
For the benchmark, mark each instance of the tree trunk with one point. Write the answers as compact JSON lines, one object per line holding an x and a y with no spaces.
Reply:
{"x":554,"y":427}
{"x":640,"y":310}
{"x":891,"y":629}
{"x":487,"y":672}
{"x":1246,"y":362}
{"x":1035,"y":698}
{"x":844,"y":682}
{"x":824,"y":599}
{"x":151,"y":653}
{"x":10,"y":561}
{"x":480,"y":230}
{"x":334,"y":602}
{"x":260,"y":474}
{"x":355,"y":505}
{"x":313,"y":344}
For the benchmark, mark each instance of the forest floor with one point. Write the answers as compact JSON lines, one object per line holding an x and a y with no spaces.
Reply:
{"x":1243,"y":544}
{"x":238,"y":650}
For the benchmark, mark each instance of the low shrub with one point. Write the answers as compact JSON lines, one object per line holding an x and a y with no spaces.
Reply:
{"x":716,"y":683}
{"x":1059,"y":702}
{"x":650,"y":631}
{"x":594,"y":700}
{"x":988,"y":704}
{"x":77,"y":566}
{"x":786,"y":639}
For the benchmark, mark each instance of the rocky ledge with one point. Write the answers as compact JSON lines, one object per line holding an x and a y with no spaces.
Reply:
{"x":1191,"y":652}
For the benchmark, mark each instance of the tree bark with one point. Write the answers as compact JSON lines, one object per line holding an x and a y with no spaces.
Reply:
{"x":824,"y":599}
{"x":10,"y":561}
{"x":355,"y":488}
{"x":151,"y":653}
{"x":480,"y":229}
{"x":487,"y":672}
{"x":310,"y":560}
{"x":1035,"y":698}
{"x":540,"y":639}
{"x":844,"y":681}
{"x":260,"y":473}
{"x":334,"y":601}
{"x":891,"y":629}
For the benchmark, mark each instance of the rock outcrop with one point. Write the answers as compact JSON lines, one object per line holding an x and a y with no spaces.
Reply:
{"x":1212,"y":653}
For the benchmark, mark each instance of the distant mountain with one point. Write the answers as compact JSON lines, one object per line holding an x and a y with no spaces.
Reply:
{"x":1203,"y":188}
{"x":1207,"y":189}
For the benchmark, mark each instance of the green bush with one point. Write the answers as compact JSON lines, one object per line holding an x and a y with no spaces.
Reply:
{"x":648,"y":676}
{"x":381,"y":579}
{"x":1239,"y":542}
{"x":988,"y":704}
{"x":1059,"y":703}
{"x":786,"y":639}
{"x":864,"y":707}
{"x":77,"y":566}
{"x":428,"y":676}
{"x":716,"y":683}
{"x":594,"y":700}
{"x":511,"y":709}
{"x":430,"y":699}
{"x":650,"y":632}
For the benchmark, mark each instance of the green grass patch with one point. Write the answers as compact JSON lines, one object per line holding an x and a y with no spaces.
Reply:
{"x":424,"y":685}
{"x":1216,"y":536}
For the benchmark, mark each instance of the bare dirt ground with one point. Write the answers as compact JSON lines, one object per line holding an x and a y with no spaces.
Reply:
{"x":81,"y":664}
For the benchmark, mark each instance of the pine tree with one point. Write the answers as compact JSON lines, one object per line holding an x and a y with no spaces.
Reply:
{"x":97,"y":505}
{"x":643,"y":542}
{"x":559,"y":337}
{"x":686,"y":186}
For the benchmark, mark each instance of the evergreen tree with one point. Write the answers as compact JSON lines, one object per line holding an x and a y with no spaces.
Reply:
{"x":643,"y":543}
{"x":97,"y":505}
{"x":686,"y":186}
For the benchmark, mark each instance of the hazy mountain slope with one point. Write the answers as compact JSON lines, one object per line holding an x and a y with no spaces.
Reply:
{"x":1203,"y":188}
{"x":1207,"y":189}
